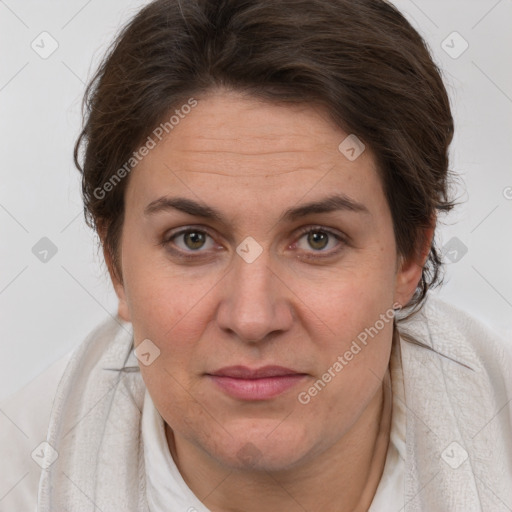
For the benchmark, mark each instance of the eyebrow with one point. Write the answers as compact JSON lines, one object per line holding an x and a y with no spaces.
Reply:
{"x":338,"y":202}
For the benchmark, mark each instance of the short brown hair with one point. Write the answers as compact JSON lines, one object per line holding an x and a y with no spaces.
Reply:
{"x":361,"y":59}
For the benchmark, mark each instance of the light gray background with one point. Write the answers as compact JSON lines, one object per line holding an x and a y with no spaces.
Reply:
{"x":48,"y":308}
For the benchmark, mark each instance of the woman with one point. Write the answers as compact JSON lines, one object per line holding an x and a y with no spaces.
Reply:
{"x":265,"y":178}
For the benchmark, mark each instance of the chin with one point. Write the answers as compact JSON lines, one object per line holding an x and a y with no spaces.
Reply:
{"x":264,"y":449}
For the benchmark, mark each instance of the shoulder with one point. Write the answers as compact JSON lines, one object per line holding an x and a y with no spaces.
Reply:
{"x":448,"y":328}
{"x":458,"y":384}
{"x":24,"y":421}
{"x":24,"y":418}
{"x":460,"y":337}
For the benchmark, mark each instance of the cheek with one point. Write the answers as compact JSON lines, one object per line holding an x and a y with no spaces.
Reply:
{"x":354,"y":350}
{"x":164,"y":298}
{"x":348,"y":380}
{"x":172,"y":398}
{"x":351,"y":298}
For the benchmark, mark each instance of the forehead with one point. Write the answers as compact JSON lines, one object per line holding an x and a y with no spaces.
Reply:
{"x":241,"y":149}
{"x":232,"y":125}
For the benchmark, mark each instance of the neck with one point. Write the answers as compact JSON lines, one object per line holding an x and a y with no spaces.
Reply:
{"x":342,"y":479}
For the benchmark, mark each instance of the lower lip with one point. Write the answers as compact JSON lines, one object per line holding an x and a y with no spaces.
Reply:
{"x":256,"y":389}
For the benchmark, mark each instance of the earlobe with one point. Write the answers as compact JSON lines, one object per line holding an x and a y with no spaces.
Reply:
{"x":123,"y":310}
{"x":407,"y":280}
{"x":410,"y":271}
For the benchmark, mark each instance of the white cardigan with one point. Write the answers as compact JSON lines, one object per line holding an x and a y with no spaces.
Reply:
{"x":458,"y":408}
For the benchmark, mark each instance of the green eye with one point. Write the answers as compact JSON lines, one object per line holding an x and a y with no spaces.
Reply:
{"x":313,"y":242}
{"x":189,"y":241}
{"x":317,"y":239}
{"x":194,"y":239}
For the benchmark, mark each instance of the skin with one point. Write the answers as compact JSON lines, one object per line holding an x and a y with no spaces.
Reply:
{"x":252,"y":160}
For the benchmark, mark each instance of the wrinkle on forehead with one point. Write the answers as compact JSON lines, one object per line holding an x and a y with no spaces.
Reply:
{"x":254,"y":164}
{"x":257,"y":175}
{"x":252,"y":142}
{"x":228,"y":136}
{"x":248,"y":153}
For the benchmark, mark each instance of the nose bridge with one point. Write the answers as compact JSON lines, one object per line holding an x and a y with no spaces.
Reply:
{"x":253,"y":279}
{"x":254,"y":304}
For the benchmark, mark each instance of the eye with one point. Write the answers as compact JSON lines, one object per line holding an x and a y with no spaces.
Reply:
{"x":192,"y":243}
{"x":321,"y":240}
{"x":190,"y":240}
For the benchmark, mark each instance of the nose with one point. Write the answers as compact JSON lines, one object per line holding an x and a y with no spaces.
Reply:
{"x":255,"y":304}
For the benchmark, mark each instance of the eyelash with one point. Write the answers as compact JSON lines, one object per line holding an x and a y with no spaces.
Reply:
{"x":302,"y":232}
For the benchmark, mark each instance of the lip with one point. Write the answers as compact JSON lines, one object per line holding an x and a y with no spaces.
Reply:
{"x":255,"y":383}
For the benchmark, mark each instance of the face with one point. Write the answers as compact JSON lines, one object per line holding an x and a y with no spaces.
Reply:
{"x":254,"y":255}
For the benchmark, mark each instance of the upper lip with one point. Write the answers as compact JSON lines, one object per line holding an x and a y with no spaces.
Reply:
{"x":243,"y":372}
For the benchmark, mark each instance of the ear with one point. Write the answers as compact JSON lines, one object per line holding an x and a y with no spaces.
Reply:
{"x":409,"y":271}
{"x":122,"y":308}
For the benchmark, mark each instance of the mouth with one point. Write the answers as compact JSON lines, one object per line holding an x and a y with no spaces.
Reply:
{"x":263,"y":383}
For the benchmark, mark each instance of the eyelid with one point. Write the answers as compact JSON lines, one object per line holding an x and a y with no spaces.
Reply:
{"x":180,"y":253}
{"x":169,"y":235}
{"x":340,"y":237}
{"x":317,"y":227}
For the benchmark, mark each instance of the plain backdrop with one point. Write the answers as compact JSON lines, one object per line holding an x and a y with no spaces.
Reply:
{"x":50,"y":301}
